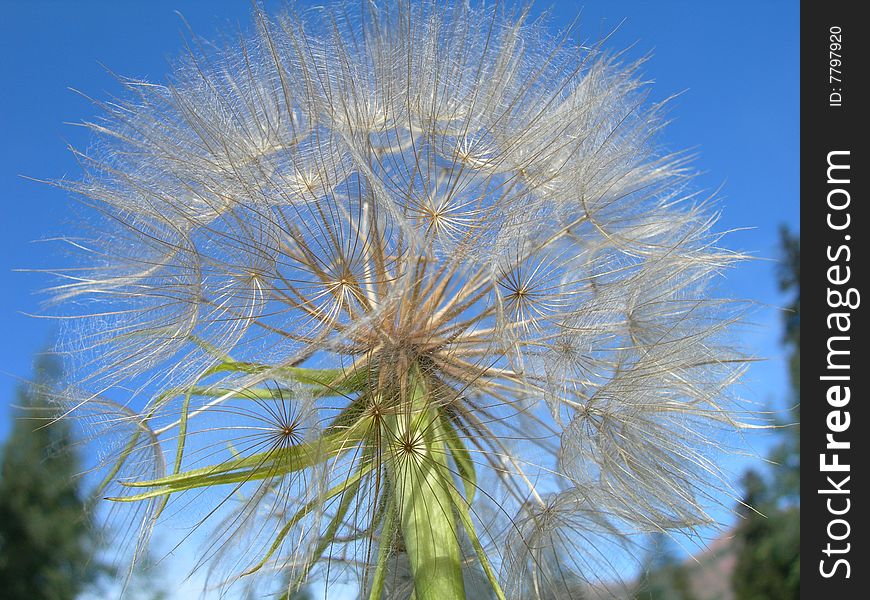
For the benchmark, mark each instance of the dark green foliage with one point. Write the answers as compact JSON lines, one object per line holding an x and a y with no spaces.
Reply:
{"x":768,"y":544}
{"x":664,"y":577}
{"x":787,"y":454}
{"x":768,"y":564}
{"x":46,"y":540}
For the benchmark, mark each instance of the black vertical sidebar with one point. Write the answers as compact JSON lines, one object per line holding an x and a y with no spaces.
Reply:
{"x":835,"y":420}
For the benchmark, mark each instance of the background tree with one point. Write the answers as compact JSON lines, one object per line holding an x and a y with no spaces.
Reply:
{"x":663,"y":576}
{"x":768,"y":541}
{"x":47,"y":544}
{"x":787,"y":454}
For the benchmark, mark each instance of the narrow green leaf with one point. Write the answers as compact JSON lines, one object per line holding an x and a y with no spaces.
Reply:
{"x":465,"y":517}
{"x":343,"y":487}
{"x":462,"y":458}
{"x":386,"y":543}
{"x":332,"y":528}
{"x":182,"y":438}
{"x":330,"y":381}
{"x":258,"y":466}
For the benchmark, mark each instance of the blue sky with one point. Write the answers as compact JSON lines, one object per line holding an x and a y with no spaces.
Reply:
{"x":736,"y":62}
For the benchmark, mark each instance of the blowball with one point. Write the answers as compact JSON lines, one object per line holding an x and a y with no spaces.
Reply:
{"x":402,"y":294}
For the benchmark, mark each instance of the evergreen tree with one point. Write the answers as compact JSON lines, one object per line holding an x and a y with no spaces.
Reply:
{"x":663,"y":576}
{"x":768,"y":563}
{"x":787,"y":453}
{"x":46,"y":541}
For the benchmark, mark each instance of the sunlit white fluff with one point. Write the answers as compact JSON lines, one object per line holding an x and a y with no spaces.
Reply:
{"x":407,"y":194}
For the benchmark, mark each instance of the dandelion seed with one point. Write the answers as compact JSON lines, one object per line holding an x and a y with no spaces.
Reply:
{"x":405,"y":295}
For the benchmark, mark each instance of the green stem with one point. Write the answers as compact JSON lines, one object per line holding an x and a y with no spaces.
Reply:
{"x":425,"y":506}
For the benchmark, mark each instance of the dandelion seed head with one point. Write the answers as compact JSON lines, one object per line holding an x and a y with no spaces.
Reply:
{"x":395,"y":240}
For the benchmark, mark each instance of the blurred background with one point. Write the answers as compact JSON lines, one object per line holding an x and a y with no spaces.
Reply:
{"x":735,"y":67}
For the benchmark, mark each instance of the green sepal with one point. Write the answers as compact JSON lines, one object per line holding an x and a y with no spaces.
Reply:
{"x":462,"y":458}
{"x":258,"y":466}
{"x":462,"y":509}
